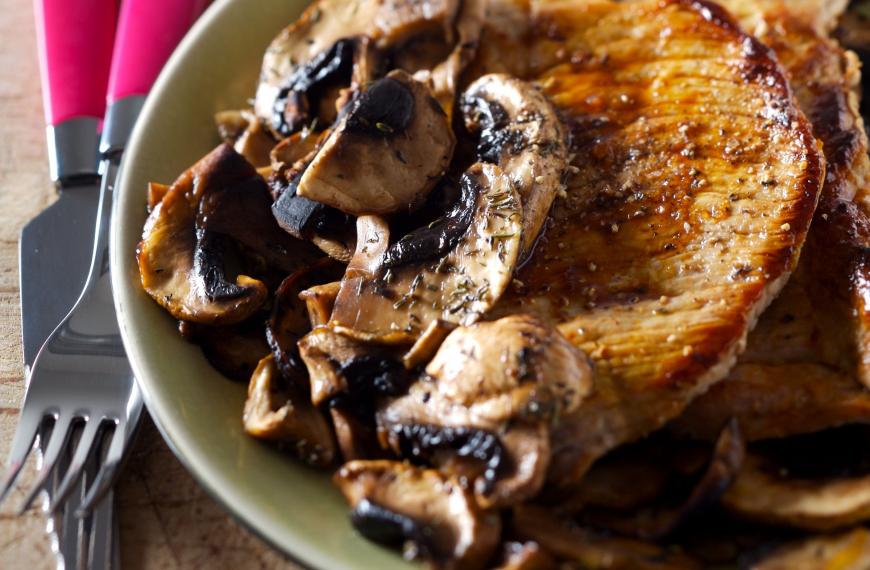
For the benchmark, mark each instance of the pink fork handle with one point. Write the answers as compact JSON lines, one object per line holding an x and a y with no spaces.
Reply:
{"x":75,"y":48}
{"x":148,"y":31}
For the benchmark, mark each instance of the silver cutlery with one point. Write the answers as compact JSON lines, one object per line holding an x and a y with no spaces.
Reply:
{"x":81,"y":392}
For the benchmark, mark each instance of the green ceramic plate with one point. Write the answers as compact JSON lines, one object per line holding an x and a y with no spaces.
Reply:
{"x":198,"y":411}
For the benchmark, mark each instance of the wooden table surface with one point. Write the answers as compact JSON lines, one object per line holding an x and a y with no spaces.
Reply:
{"x":166,"y":519}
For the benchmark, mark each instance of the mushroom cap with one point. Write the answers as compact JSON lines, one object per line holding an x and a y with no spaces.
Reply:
{"x":279,"y":413}
{"x":174,"y":269}
{"x":385,"y":154}
{"x":385,"y":22}
{"x":517,"y":367}
{"x":393,"y":500}
{"x":486,"y":403}
{"x":519,"y":130}
{"x":458,"y":286}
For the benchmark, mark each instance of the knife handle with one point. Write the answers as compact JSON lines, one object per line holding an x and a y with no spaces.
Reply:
{"x":75,"y":39}
{"x":148,"y":32}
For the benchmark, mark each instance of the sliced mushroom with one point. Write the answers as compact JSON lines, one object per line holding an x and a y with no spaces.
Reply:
{"x":519,"y":130}
{"x":444,"y":76}
{"x":304,"y":219}
{"x":385,"y":154}
{"x":289,"y":320}
{"x":815,"y":482}
{"x":453,"y":270}
{"x":340,"y":365}
{"x":233,"y":350}
{"x":357,"y":438}
{"x":428,"y":513}
{"x":317,"y":51}
{"x":246,"y":133}
{"x":276,"y":411}
{"x":292,"y":154}
{"x":319,"y":300}
{"x":485,"y":405}
{"x":593,"y":551}
{"x":188,"y":238}
{"x":156,"y":192}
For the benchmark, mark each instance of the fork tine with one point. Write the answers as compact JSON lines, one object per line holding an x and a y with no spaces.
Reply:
{"x":83,"y":451}
{"x":106,"y":476}
{"x":57,"y":442}
{"x":22,"y":443}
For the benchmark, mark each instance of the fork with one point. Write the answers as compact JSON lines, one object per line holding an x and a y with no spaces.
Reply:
{"x":81,"y":376}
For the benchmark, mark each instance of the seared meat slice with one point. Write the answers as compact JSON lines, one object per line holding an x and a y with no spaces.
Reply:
{"x":219,"y":205}
{"x":685,"y":212}
{"x":428,"y":513}
{"x":686,"y":487}
{"x":385,"y":154}
{"x":518,"y":129}
{"x":806,"y":362}
{"x":486,"y":403}
{"x":453,"y":270}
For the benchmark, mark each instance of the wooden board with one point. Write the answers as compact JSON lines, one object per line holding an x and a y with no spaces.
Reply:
{"x":166,"y":519}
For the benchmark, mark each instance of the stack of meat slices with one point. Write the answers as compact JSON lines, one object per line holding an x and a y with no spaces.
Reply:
{"x":799,"y":391}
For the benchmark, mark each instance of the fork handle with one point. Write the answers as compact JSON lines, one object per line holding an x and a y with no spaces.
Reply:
{"x":75,"y":48}
{"x":74,"y":39}
{"x":148,"y":32}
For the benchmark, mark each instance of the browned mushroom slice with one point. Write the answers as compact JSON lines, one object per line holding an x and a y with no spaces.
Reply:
{"x":526,"y":556}
{"x":593,"y":551}
{"x":294,"y":152}
{"x":665,"y":514}
{"x":519,"y":130}
{"x":289,"y":321}
{"x":322,"y":48}
{"x":340,"y":365}
{"x":484,"y":407}
{"x":319,"y":301}
{"x":444,"y":77}
{"x":275,"y":411}
{"x":325,"y":227}
{"x":181,"y":266}
{"x":356,"y":437}
{"x":233,"y":350}
{"x":156,"y":192}
{"x":455,"y":269}
{"x":845,"y":551}
{"x":815,"y":482}
{"x":247,"y":134}
{"x":385,"y":154}
{"x":431,"y":515}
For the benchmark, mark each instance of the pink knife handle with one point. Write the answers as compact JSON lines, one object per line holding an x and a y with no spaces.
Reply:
{"x":75,"y":49}
{"x":148,"y":31}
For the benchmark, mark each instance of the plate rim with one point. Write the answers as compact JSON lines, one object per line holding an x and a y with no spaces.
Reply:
{"x":291,"y":545}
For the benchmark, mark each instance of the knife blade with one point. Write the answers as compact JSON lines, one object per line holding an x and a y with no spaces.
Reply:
{"x":75,"y":39}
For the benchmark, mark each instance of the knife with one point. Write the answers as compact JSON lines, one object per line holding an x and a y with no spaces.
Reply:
{"x":75,"y":40}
